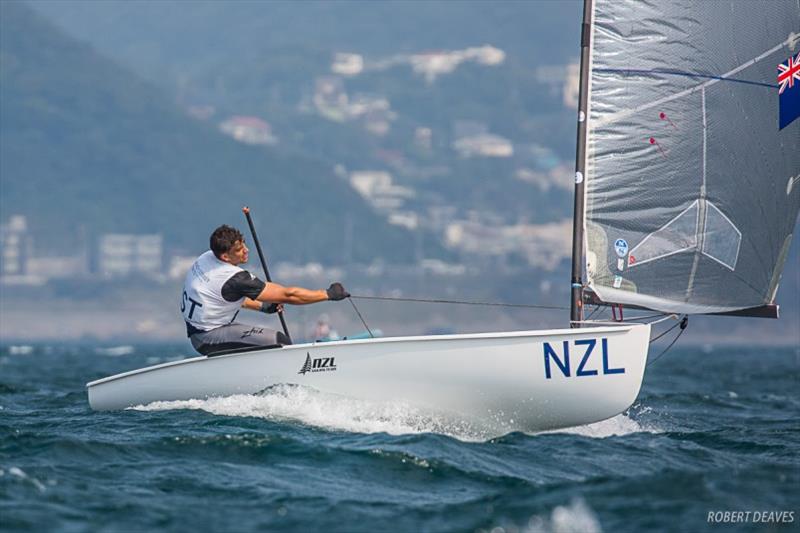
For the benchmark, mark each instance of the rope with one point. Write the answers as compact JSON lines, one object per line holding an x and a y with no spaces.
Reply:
{"x":596,"y":309}
{"x":683,"y":323}
{"x":361,"y":317}
{"x":654,"y":339}
{"x":460,"y":302}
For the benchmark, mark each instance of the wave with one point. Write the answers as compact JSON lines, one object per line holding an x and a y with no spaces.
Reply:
{"x":20,"y":349}
{"x":618,"y":426}
{"x":333,"y":412}
{"x":339,"y":413}
{"x":115,"y":351}
{"x":577,"y":517}
{"x":17,"y":473}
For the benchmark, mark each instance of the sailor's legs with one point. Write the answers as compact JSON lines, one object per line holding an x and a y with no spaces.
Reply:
{"x":237,"y":337}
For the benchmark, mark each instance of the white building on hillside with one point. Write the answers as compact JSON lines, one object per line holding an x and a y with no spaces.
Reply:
{"x":347,"y":64}
{"x":248,"y":130}
{"x":484,"y":145}
{"x":14,"y":246}
{"x":378,"y":189}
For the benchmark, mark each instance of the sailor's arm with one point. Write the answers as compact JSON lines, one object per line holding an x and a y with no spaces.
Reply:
{"x":251,"y":304}
{"x":276,"y":293}
{"x":264,"y":307}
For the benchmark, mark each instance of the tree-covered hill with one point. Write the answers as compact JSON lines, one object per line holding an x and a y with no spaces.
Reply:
{"x":85,"y":143}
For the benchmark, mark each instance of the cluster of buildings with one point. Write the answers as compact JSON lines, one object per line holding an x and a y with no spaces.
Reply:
{"x":543,"y":246}
{"x":479,"y":234}
{"x":117,"y":255}
{"x":473,"y":139}
{"x":378,"y":189}
{"x":430,"y":64}
{"x":110,"y":256}
{"x":248,"y":130}
{"x":332,"y":102}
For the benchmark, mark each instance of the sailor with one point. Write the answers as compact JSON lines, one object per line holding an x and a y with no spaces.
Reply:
{"x":216,"y":288}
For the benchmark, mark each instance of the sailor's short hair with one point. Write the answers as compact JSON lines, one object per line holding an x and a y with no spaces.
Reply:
{"x":223,"y":239}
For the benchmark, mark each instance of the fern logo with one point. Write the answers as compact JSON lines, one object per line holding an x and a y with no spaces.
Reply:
{"x":306,"y":365}
{"x":320,"y":364}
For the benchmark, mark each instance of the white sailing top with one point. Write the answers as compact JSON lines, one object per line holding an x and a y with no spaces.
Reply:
{"x":213,"y":292}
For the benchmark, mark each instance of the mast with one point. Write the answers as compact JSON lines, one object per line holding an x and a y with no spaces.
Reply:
{"x":576,"y":299}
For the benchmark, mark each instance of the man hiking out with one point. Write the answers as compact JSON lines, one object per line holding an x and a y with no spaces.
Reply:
{"x":216,"y":288}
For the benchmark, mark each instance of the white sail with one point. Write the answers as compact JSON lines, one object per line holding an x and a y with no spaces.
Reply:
{"x":690,"y":162}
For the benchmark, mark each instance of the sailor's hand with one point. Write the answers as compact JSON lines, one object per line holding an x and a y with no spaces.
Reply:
{"x":271,"y":308}
{"x":337,"y":292}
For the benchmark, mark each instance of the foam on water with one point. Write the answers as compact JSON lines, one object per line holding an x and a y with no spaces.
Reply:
{"x":22,"y":349}
{"x":330,"y":411}
{"x":339,"y":413}
{"x":18,"y":473}
{"x":115,"y":351}
{"x":619,"y":425}
{"x":577,"y":517}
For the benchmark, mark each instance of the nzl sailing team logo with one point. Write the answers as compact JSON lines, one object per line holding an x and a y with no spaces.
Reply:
{"x":789,"y":91}
{"x":320,"y":364}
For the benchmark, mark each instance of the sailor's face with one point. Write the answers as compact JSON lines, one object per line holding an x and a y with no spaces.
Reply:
{"x":237,"y":254}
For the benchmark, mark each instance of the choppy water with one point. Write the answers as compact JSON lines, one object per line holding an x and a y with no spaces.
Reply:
{"x":713,"y":430}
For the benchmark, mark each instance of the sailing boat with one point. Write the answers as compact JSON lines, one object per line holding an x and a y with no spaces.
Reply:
{"x":685,"y":203}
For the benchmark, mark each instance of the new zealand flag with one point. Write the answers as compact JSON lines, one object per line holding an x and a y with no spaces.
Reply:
{"x":789,"y":92}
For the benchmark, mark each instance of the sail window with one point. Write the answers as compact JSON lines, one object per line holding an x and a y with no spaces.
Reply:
{"x":677,"y":235}
{"x":721,"y":238}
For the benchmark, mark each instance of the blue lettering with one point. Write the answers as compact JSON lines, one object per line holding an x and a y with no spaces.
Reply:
{"x":590,"y":344}
{"x":195,"y":303}
{"x":582,"y":370}
{"x":549,"y":352}
{"x":607,"y":370}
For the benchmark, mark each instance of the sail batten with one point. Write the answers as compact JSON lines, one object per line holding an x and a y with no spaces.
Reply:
{"x":712,"y":79}
{"x":690,"y":163}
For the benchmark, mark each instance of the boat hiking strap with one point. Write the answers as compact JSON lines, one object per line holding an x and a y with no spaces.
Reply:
{"x":684,"y":322}
{"x":459,"y":302}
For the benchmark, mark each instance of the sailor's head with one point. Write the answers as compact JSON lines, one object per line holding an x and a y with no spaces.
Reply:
{"x":227,"y":243}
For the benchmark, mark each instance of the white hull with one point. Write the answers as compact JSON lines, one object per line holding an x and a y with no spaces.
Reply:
{"x":499,"y":378}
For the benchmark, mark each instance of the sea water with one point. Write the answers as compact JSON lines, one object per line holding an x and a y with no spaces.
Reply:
{"x":714,"y":431}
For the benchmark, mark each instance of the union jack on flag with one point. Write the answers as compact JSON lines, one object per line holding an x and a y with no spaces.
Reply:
{"x":789,"y":73}
{"x":788,"y":91}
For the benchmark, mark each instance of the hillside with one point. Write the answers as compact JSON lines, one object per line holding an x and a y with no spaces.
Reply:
{"x":86,"y":144}
{"x":269,"y":59}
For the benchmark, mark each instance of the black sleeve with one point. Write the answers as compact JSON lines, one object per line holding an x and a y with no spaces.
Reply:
{"x":242,"y":284}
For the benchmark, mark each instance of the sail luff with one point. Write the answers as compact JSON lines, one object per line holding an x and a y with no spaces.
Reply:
{"x":579,"y":216}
